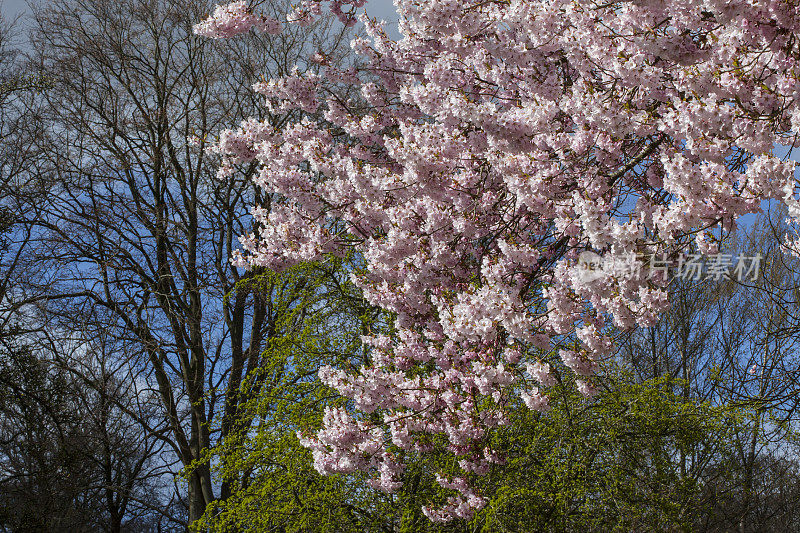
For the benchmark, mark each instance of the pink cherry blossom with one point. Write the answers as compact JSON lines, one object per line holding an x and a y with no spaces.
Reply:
{"x":490,"y":149}
{"x":233,"y":19}
{"x":586,"y":388}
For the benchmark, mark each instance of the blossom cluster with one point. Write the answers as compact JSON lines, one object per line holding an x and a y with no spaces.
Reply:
{"x":233,"y":19}
{"x":490,"y":147}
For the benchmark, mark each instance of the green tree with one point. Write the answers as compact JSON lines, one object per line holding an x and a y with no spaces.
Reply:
{"x":272,"y":483}
{"x":614,"y":463}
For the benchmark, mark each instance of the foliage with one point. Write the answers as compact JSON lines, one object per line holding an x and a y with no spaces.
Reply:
{"x":637,"y":457}
{"x":70,"y":458}
{"x":262,"y":458}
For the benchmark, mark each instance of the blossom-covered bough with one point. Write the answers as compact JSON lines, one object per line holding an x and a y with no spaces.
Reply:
{"x":502,"y":139}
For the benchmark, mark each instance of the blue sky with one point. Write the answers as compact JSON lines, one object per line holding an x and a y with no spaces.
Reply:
{"x":13,"y":7}
{"x":382,"y":9}
{"x":385,"y":10}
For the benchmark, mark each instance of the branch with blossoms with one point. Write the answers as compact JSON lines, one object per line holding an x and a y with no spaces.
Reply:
{"x":233,"y":19}
{"x":494,"y":144}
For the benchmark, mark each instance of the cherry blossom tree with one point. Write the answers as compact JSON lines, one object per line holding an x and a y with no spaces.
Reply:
{"x":500,"y":141}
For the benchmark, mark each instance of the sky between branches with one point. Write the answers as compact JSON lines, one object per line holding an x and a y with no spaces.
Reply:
{"x":381,"y":9}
